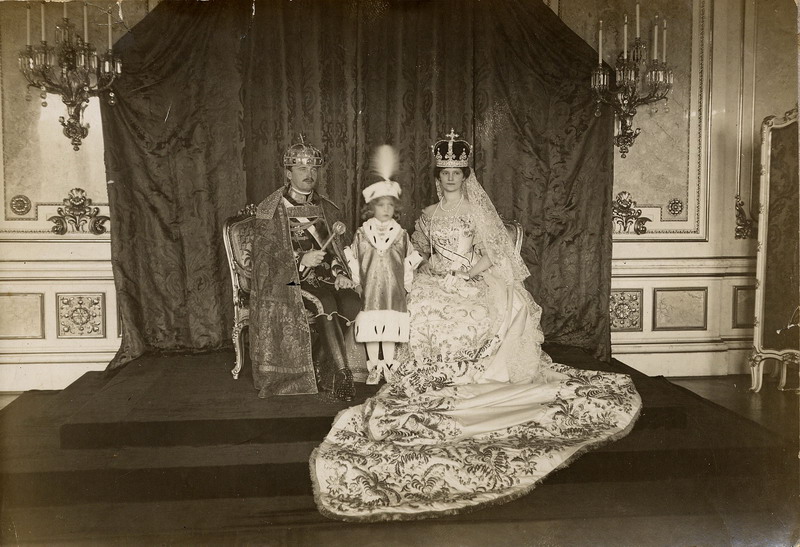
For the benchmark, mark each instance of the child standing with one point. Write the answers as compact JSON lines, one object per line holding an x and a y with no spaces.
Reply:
{"x":382,"y":260}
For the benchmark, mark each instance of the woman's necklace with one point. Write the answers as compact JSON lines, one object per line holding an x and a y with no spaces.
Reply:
{"x":457,"y":205}
{"x":433,"y":215}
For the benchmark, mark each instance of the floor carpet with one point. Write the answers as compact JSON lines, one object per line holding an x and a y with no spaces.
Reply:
{"x":172,"y":450}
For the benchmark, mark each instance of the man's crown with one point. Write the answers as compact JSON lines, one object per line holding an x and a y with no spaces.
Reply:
{"x":452,"y":152}
{"x":301,"y":153}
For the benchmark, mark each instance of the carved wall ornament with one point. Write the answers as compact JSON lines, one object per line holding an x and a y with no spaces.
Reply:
{"x":78,"y":215}
{"x":625,"y":215}
{"x":81,"y":315}
{"x":745,"y":227}
{"x":625,"y":307}
{"x":20,"y":204}
{"x":675,"y":206}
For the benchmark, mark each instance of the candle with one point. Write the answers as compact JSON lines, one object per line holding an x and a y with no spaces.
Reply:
{"x":637,"y":19}
{"x":664,"y":44}
{"x":65,"y":10}
{"x":625,"y":39}
{"x":655,"y":40}
{"x":85,"y":25}
{"x":28,"y":27}
{"x":600,"y":44}
{"x":109,"y":29}
{"x":41,"y":11}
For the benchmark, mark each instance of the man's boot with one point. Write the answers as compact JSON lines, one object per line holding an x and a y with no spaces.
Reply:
{"x":343,"y":388}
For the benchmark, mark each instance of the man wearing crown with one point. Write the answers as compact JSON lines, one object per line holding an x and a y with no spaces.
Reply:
{"x":299,"y":272}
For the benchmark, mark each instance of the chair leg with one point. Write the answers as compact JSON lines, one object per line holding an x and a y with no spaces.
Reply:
{"x":236,"y":336}
{"x":756,"y":372}
{"x":784,"y":365}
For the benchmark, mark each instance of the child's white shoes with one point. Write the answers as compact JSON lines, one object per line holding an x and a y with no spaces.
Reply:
{"x":380,"y":369}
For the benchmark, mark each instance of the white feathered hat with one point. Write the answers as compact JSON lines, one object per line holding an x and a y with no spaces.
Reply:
{"x":384,"y":164}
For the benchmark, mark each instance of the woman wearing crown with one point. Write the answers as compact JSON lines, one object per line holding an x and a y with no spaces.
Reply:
{"x":476,"y":412}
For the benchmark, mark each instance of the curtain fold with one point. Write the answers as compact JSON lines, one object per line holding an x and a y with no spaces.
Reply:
{"x":547,"y":161}
{"x":214,"y":92}
{"x":173,"y":151}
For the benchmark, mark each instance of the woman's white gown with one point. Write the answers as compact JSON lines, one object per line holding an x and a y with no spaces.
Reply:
{"x":477,"y":413}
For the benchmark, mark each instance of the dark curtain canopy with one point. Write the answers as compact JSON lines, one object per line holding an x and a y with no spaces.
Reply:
{"x":237,"y":81}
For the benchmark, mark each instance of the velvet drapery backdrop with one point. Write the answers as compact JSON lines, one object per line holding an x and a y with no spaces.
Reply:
{"x":510,"y":77}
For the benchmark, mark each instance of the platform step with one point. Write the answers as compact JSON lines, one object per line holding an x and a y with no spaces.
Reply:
{"x":77,"y":435}
{"x":195,"y":402}
{"x":183,"y":473}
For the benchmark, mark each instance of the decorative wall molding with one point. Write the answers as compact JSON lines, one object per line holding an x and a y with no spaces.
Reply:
{"x":686,"y":359}
{"x":82,"y":270}
{"x":626,"y":310}
{"x":684,"y":267}
{"x":705,"y":345}
{"x":744,"y":307}
{"x":680,"y":308}
{"x":81,"y":315}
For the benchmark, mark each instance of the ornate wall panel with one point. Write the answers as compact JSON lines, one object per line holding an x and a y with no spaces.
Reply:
{"x":680,"y":308}
{"x":22,"y":317}
{"x":81,"y":315}
{"x":38,"y":166}
{"x":665,"y":173}
{"x":626,"y":310}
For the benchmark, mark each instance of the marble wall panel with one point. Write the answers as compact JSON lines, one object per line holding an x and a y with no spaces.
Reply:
{"x":664,"y":171}
{"x":23,"y":315}
{"x":680,"y":308}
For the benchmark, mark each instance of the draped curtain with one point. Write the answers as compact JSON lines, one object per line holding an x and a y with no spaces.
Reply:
{"x":510,"y":77}
{"x":173,"y":153}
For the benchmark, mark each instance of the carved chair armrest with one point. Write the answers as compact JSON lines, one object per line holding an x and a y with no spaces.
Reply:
{"x":243,"y":298}
{"x":314,"y":302}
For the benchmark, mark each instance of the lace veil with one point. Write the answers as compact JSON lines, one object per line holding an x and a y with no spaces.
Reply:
{"x":506,"y":263}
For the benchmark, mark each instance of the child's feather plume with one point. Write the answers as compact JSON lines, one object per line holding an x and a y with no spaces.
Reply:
{"x":385,"y":161}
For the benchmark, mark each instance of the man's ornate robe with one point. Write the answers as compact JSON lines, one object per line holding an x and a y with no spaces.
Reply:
{"x":280,"y":338}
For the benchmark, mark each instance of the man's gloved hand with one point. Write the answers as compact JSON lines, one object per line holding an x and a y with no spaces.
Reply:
{"x":312,"y":259}
{"x":344,"y":282}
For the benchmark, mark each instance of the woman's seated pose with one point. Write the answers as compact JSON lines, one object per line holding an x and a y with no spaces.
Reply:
{"x":476,"y":412}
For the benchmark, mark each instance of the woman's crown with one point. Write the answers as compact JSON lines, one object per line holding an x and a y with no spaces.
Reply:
{"x":452,"y":152}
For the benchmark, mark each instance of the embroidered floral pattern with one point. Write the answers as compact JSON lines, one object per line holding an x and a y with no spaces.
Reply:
{"x":446,"y":434}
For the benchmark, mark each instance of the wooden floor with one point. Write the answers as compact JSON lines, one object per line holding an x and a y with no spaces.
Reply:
{"x":776,"y":410}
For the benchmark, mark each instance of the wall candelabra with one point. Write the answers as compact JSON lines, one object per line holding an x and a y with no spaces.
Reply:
{"x":639,"y":79}
{"x":71,"y":69}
